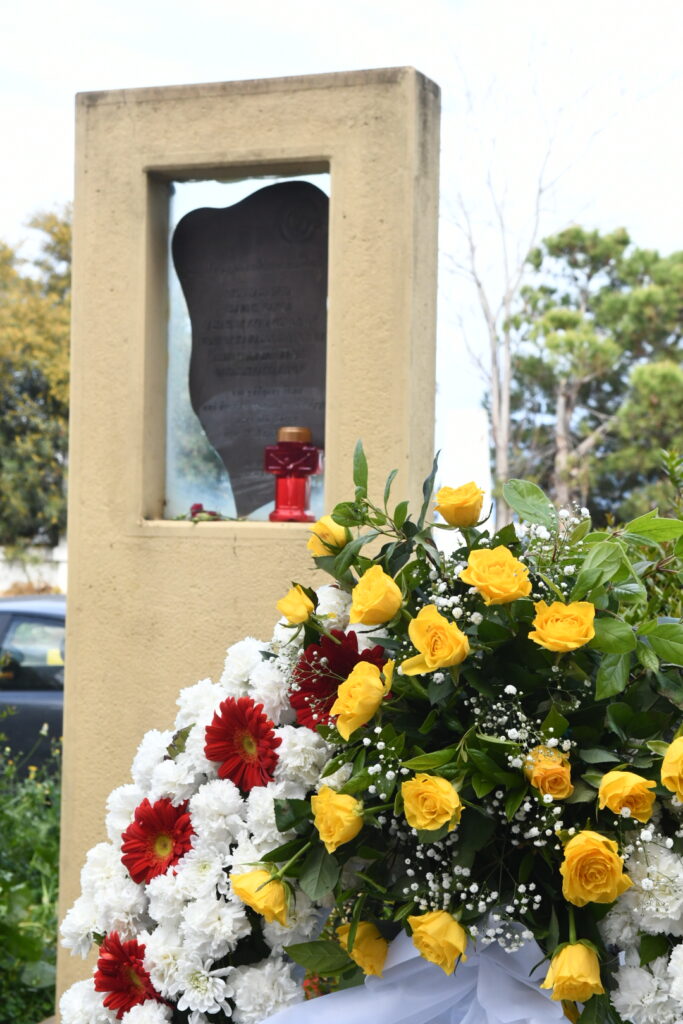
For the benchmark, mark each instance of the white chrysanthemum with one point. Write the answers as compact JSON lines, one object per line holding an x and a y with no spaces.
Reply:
{"x":333,"y":606}
{"x":301,"y":755}
{"x":166,"y":898}
{"x":213,"y":927}
{"x":658,"y":904}
{"x":263,"y":990}
{"x":121,"y":804}
{"x":642,"y":994}
{"x":246,"y":855}
{"x":151,"y":752}
{"x":261,"y":819}
{"x":194,"y":749}
{"x":335,"y":780}
{"x":287,"y":638}
{"x":268,"y":686}
{"x":204,"y":990}
{"x":77,"y":928}
{"x":675,"y":972}
{"x":201,"y":871}
{"x":81,"y":1004}
{"x":621,"y":925}
{"x":240,"y":661}
{"x":175,"y":779}
{"x":149,"y":1012}
{"x":102,"y":865}
{"x":198,"y":701}
{"x":120,"y":902}
{"x":367,"y":635}
{"x":304,"y":922}
{"x":165,"y":958}
{"x":218,"y":811}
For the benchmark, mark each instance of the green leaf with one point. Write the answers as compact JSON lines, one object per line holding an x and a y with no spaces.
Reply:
{"x":666,"y":640}
{"x":671,"y":688}
{"x":346,"y":513}
{"x":360,"y":468}
{"x":596,"y":755}
{"x":600,"y":565}
{"x":39,"y":974}
{"x":646,"y":656}
{"x":319,"y":873}
{"x":513,"y":801}
{"x":530,"y":503}
{"x":652,"y":946}
{"x":658,"y":747}
{"x":401,"y":513}
{"x":423,"y":762}
{"x":481,"y":785}
{"x":284,"y":852}
{"x":613,"y":636}
{"x":583,"y":793}
{"x":387,"y":486}
{"x":432,"y":835}
{"x":289,"y":812}
{"x":322,"y":957}
{"x":612,"y":675}
{"x":347,"y":554}
{"x":580,"y":531}
{"x":554,"y":723}
{"x":427,"y":488}
{"x":655,"y":527}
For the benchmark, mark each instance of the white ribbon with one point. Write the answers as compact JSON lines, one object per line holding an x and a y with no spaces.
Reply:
{"x":490,"y":987}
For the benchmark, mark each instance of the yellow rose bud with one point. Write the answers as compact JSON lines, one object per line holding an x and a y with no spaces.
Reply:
{"x":439,"y":938}
{"x":430,"y":802}
{"x":337,"y":817}
{"x":296,"y":606}
{"x":369,"y":948}
{"x":672,"y":768}
{"x":574,"y":974}
{"x":360,"y":695}
{"x":592,"y":870}
{"x":263,"y":893}
{"x":439,"y":642}
{"x":548,"y":771}
{"x":460,"y":506}
{"x":375,"y":598}
{"x":563,"y":627}
{"x":327,"y":537}
{"x":497,"y":574}
{"x":626,"y":789}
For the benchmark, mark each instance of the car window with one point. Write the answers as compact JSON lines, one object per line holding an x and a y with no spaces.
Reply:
{"x":32,"y":655}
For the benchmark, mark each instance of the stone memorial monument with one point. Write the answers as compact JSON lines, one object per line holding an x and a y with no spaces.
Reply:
{"x":154,"y":602}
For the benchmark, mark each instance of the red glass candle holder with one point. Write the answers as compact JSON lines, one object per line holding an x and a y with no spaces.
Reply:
{"x":292,"y":461}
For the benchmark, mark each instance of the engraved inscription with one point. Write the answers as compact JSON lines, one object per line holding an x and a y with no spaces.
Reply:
{"x":255,"y":280}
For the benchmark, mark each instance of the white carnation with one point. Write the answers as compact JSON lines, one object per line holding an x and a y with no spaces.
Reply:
{"x":173,"y":779}
{"x":642,"y":994}
{"x":287,"y":638}
{"x":151,"y":752}
{"x":333,"y":606}
{"x":198,"y":701}
{"x":675,"y":972}
{"x":263,"y":990}
{"x":81,"y":1004}
{"x":658,"y":903}
{"x":240,"y":661}
{"x":301,"y":755}
{"x":121,"y":804}
{"x":166,"y":898}
{"x":213,"y":927}
{"x":367,"y":635}
{"x":261,"y":819}
{"x":202,"y":871}
{"x":120,"y":902}
{"x":268,"y":686}
{"x":149,"y":1012}
{"x":335,"y":780}
{"x":194,"y":749}
{"x":165,"y":958}
{"x":620,"y":926}
{"x":218,"y":811}
{"x":304,"y":922}
{"x":78,"y":926}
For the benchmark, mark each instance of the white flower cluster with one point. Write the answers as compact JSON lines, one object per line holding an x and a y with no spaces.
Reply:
{"x":188,"y":918}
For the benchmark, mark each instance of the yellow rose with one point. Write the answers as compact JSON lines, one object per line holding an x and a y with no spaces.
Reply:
{"x":548,"y":771}
{"x":328,"y":537}
{"x":369,"y":948}
{"x":672,"y":768}
{"x":296,"y":606}
{"x":430,"y":801}
{"x":563,"y":627}
{"x":263,"y":893}
{"x":375,"y":598}
{"x":592,"y":870}
{"x":360,"y":695}
{"x":439,"y":642}
{"x":626,"y":789}
{"x":574,"y":974}
{"x":337,"y":817}
{"x":497,"y":574}
{"x":460,"y":506}
{"x":439,"y":938}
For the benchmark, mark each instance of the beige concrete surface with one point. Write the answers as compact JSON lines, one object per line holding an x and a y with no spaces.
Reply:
{"x":153,"y":604}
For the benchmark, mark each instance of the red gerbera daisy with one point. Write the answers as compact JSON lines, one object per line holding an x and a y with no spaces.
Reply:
{"x":120,"y":973}
{"x":241,"y":737}
{"x":321,"y":669}
{"x":156,"y":840}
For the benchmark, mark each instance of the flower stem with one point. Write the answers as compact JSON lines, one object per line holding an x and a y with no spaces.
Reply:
{"x":292,"y":860}
{"x":572,"y":925}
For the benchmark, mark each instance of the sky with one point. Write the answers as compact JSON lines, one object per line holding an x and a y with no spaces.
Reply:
{"x":588,"y":94}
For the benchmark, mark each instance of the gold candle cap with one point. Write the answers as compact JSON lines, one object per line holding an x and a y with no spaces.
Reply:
{"x":301,"y":434}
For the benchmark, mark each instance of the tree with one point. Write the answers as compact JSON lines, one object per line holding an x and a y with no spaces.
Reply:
{"x":34,"y":382}
{"x":597,"y":369}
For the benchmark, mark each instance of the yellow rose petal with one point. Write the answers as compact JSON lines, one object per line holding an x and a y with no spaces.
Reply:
{"x":574,"y":974}
{"x":498,"y":576}
{"x":460,"y":506}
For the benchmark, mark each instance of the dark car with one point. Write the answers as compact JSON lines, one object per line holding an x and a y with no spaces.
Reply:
{"x":31,"y":673}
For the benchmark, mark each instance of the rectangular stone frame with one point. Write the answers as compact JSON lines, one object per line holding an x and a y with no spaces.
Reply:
{"x":152,"y":604}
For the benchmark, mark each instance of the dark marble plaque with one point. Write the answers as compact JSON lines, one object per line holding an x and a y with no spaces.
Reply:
{"x":254,"y":277}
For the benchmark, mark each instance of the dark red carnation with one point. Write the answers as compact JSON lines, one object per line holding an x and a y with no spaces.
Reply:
{"x":319,"y":672}
{"x":241,"y":738}
{"x":121,"y":974}
{"x":158,"y":837}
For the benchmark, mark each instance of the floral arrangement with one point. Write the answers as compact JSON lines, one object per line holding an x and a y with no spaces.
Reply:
{"x":476,"y":749}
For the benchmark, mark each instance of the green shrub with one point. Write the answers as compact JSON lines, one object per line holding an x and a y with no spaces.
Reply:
{"x":29,"y":856}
